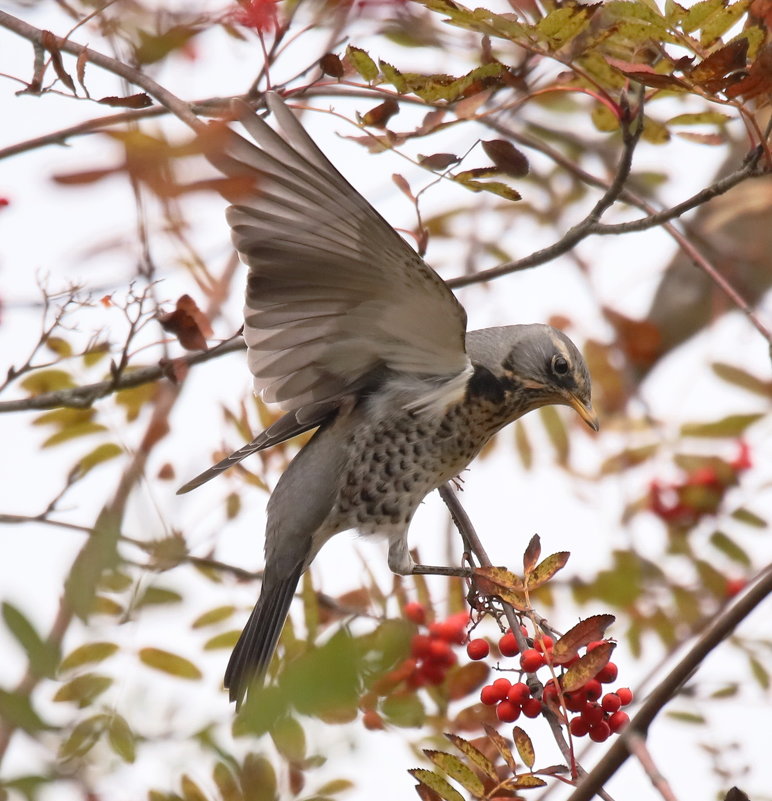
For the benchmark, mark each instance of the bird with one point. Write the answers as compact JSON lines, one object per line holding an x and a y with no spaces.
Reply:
{"x":353,"y":334}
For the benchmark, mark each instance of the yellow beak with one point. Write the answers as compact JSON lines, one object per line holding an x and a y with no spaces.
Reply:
{"x":585,"y":411}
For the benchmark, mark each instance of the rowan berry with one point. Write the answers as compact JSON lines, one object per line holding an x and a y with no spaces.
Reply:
{"x":625,"y":695}
{"x":593,"y":689}
{"x":507,"y":712}
{"x":433,"y":672}
{"x":591,"y":646}
{"x":440,"y":652}
{"x":508,"y":645}
{"x":519,"y":693}
{"x":420,"y":646}
{"x":372,"y":720}
{"x":477,"y":649}
{"x":607,"y":673}
{"x":543,"y":644}
{"x":503,"y":686}
{"x":600,"y":732}
{"x":576,"y":701}
{"x":593,"y":715}
{"x":531,"y":660}
{"x":611,"y":702}
{"x":532,"y":707}
{"x":415,"y":612}
{"x":578,"y":727}
{"x":618,"y":721}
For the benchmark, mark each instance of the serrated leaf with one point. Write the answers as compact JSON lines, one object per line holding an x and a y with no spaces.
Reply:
{"x":501,"y":582}
{"x":732,"y":426}
{"x":502,"y":746}
{"x":544,"y":571}
{"x":741,"y":378}
{"x":42,"y":381}
{"x":393,"y":76}
{"x":88,"y":654}
{"x":532,"y":554}
{"x":523,"y":782}
{"x":474,"y":755}
{"x":436,"y":783}
{"x":167,"y":662}
{"x":83,"y":690}
{"x":121,"y":739}
{"x":216,"y":615}
{"x":457,"y":770}
{"x":524,"y":746}
{"x":587,"y":667}
{"x":224,"y":641}
{"x":42,"y":656}
{"x":585,"y":631}
{"x":495,"y":187}
{"x":362,"y":63}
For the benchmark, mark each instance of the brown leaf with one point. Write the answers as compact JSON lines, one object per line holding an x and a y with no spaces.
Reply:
{"x":727,"y":59}
{"x":80,"y":68}
{"x":438,"y":161}
{"x":84,"y":177}
{"x":330,"y":64}
{"x":139,"y":100}
{"x":585,"y":631}
{"x":48,"y":40}
{"x":467,"y":107}
{"x":466,"y":679}
{"x":403,"y":185}
{"x":430,"y":121}
{"x":502,"y":583}
{"x":507,"y":158}
{"x":587,"y":667}
{"x":532,"y":554}
{"x":759,"y":78}
{"x":524,"y":746}
{"x":547,"y":569}
{"x":188,"y":323}
{"x":502,"y":746}
{"x":378,"y":117}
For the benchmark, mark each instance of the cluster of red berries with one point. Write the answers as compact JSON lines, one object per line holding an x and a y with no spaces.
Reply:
{"x":700,"y":493}
{"x":432,"y":652}
{"x":597,"y":716}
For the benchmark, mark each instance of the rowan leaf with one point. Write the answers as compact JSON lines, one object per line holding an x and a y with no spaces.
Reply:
{"x":501,"y":745}
{"x":531,"y":555}
{"x":587,"y":667}
{"x":170,"y":663}
{"x":501,"y":582}
{"x":473,"y":754}
{"x":732,"y":426}
{"x":121,"y":738}
{"x":524,"y":746}
{"x":43,"y":656}
{"x":585,"y":631}
{"x":436,"y":783}
{"x":457,"y":770}
{"x":216,"y":615}
{"x":362,"y":63}
{"x":546,"y":569}
{"x":83,"y":690}
{"x":89,"y":654}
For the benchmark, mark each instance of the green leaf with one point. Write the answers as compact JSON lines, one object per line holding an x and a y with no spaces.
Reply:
{"x":43,"y":381}
{"x":216,"y":615}
{"x":404,"y":709}
{"x":102,"y":453}
{"x":732,"y":426}
{"x":16,"y":710}
{"x":290,"y":739}
{"x":474,"y":755}
{"x":749,"y":518}
{"x":362,"y":63}
{"x":89,"y":654}
{"x":134,"y":398}
{"x":729,"y":548}
{"x":258,"y":779}
{"x":95,"y":354}
{"x":701,"y":118}
{"x":457,"y":770}
{"x":556,"y":431}
{"x":393,"y":76}
{"x":121,"y":739}
{"x":687,"y":717}
{"x":523,"y":445}
{"x":83,"y":737}
{"x":225,"y":641}
{"x":563,"y":24}
{"x":83,"y":690}
{"x":190,"y":790}
{"x":226,"y":783}
{"x":524,"y":747}
{"x":741,"y":378}
{"x":170,"y":663}
{"x":720,"y":22}
{"x":158,"y":596}
{"x":760,"y":673}
{"x":59,"y":346}
{"x":43,"y":656}
{"x":436,"y":783}
{"x":73,"y":432}
{"x":99,"y":554}
{"x":494,"y":187}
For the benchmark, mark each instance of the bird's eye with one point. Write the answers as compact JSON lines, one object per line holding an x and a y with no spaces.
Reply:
{"x":559,"y":365}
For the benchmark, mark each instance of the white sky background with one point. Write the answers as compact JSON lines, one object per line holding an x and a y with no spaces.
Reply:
{"x":46,"y":231}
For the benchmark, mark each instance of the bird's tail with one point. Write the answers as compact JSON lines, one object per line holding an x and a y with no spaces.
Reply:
{"x":254,"y":649}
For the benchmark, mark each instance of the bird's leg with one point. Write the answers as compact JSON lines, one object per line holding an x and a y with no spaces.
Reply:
{"x":401,"y":563}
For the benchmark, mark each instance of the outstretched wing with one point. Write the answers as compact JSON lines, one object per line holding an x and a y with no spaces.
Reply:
{"x":333,"y":292}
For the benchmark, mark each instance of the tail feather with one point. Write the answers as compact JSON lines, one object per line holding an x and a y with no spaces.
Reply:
{"x":252,"y":654}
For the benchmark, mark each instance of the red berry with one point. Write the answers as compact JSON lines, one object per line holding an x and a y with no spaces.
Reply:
{"x":503,"y":686}
{"x":416,"y":679}
{"x":452,"y":630}
{"x":508,"y":645}
{"x":593,"y":715}
{"x":532,"y":707}
{"x":415,"y":612}
{"x":550,"y":691}
{"x":420,"y":646}
{"x":372,"y":720}
{"x":734,"y":587}
{"x":593,"y":689}
{"x":743,"y":459}
{"x":611,"y":702}
{"x":544,"y":643}
{"x":591,"y":646}
{"x":625,"y":695}
{"x":507,"y":712}
{"x":576,"y":701}
{"x":618,"y":721}
{"x":478,"y":649}
{"x":601,"y":732}
{"x":490,"y":695}
{"x":607,"y":673}
{"x":519,"y":693}
{"x":531,"y":660}
{"x":441,"y":653}
{"x":433,"y":672}
{"x":578,"y":727}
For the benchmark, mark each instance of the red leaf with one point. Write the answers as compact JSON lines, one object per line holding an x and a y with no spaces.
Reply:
{"x":506,"y":157}
{"x":188,"y":323}
{"x":378,"y":117}
{"x":330,"y":64}
{"x":139,"y":100}
{"x":50,"y":44}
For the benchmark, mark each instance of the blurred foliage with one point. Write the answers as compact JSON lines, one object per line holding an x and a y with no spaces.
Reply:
{"x":551,"y":80}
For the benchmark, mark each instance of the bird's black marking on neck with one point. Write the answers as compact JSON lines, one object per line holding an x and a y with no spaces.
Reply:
{"x":483,"y":384}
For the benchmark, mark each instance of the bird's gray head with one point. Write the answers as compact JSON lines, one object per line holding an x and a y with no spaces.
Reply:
{"x":538,"y":361}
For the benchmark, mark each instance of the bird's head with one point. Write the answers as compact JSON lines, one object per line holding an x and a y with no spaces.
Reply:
{"x":540,"y":364}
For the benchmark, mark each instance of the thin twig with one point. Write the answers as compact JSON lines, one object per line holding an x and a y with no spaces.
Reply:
{"x":638,"y":749}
